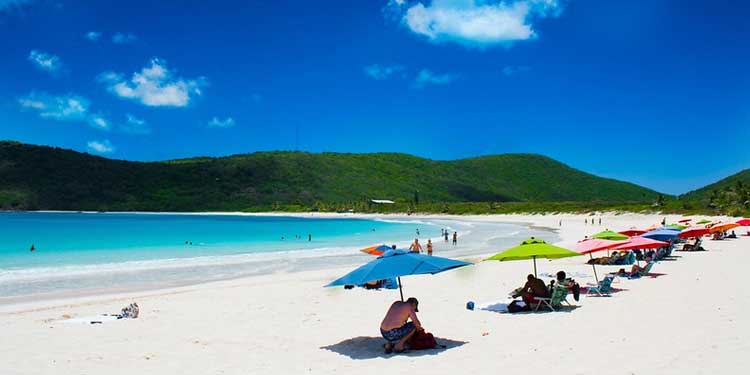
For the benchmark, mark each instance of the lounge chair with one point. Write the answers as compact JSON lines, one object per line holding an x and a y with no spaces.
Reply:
{"x":555,"y":301}
{"x":602,"y":289}
{"x":645,"y":272}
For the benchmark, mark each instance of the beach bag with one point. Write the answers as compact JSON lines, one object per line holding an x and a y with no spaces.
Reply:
{"x":517,"y":306}
{"x":576,"y":291}
{"x":422,"y":340}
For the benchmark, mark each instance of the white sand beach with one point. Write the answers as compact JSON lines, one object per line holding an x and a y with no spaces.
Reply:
{"x":692,"y":318}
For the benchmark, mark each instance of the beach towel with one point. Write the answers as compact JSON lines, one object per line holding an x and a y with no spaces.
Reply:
{"x":499,"y":306}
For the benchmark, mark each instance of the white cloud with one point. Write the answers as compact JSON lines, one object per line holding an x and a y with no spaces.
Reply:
{"x":154,"y":86}
{"x":93,"y":36}
{"x":68,"y":107}
{"x":101,"y":147}
{"x":62,"y":108}
{"x":134,"y":125}
{"x":513,"y":70}
{"x":99,"y":122}
{"x":217,"y":123}
{"x":123,"y":38}
{"x":45,"y":61}
{"x":382,"y":72}
{"x":427,"y":77}
{"x":475,"y":23}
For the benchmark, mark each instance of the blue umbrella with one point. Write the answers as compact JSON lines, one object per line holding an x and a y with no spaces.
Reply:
{"x":661,"y":234}
{"x":397,"y":263}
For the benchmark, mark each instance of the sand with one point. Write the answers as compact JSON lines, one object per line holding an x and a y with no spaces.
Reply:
{"x":692,"y":319}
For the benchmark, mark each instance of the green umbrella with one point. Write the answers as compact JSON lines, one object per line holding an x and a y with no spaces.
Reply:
{"x":610,"y":235}
{"x":531,"y":249}
{"x":704,"y":221}
{"x":676,"y":226}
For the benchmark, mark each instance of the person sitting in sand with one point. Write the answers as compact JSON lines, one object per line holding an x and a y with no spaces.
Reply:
{"x":733,"y":235}
{"x":415,"y":247}
{"x":396,"y":328}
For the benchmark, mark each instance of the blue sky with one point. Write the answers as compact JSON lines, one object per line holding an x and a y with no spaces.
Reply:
{"x":653,"y":92}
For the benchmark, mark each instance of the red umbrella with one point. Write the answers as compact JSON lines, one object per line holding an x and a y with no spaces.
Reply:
{"x":595,"y":244}
{"x":591,"y":245}
{"x":632,"y":232}
{"x":744,"y":222}
{"x":692,"y":232}
{"x":638,"y":242}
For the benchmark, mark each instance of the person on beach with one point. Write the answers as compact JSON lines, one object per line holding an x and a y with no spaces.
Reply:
{"x":446,"y":235}
{"x":455,"y":238}
{"x":309,"y":237}
{"x":415,"y":247}
{"x":417,"y":231}
{"x":32,"y":248}
{"x":533,"y":288}
{"x":396,"y":328}
{"x":429,"y":247}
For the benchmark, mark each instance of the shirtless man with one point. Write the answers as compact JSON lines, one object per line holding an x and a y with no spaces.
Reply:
{"x":415,"y":247}
{"x":533,"y":288}
{"x":395,"y":328}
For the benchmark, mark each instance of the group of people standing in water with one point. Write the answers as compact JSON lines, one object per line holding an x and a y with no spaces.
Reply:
{"x":416,"y":247}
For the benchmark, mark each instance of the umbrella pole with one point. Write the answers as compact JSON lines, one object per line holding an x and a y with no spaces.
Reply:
{"x":534,"y":257}
{"x":400,"y":290}
{"x":594,"y":267}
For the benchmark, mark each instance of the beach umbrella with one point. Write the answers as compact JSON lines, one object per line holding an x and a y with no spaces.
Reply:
{"x":632,"y":232}
{"x":653,"y":227}
{"x":661,"y":234}
{"x":610,"y":235}
{"x":593,"y":245}
{"x":394,"y":264}
{"x":744,"y":222}
{"x":676,"y":226}
{"x":531,"y":249}
{"x":376,"y":250}
{"x":639,"y":242}
{"x":703,"y":221}
{"x":723,"y":227}
{"x":692,"y":232}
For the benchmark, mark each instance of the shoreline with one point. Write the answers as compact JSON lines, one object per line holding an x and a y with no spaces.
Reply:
{"x":261,"y":264}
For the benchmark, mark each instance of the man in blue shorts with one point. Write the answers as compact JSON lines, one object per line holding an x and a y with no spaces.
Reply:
{"x":396,"y":327}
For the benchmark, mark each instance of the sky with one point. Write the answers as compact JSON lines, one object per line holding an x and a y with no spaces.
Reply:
{"x":652,"y":92}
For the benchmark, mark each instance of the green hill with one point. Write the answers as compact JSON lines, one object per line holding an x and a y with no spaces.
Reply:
{"x":40,"y":177}
{"x":730,"y":195}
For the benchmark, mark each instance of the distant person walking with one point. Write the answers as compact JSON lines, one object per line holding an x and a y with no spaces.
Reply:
{"x":600,"y":220}
{"x":415,"y":247}
{"x":429,"y":247}
{"x":586,"y":221}
{"x":446,"y":235}
{"x":309,"y":237}
{"x":455,"y":238}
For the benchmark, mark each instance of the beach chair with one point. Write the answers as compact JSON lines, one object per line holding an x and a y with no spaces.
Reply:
{"x":602,"y":289}
{"x":555,"y":301}
{"x":645,"y":271}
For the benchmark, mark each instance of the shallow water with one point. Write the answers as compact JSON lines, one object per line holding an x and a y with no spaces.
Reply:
{"x":79,"y":252}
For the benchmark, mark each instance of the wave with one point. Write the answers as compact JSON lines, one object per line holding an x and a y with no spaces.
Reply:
{"x":67,"y":271}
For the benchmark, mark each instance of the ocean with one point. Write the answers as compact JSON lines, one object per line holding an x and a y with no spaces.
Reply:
{"x":79,"y":253}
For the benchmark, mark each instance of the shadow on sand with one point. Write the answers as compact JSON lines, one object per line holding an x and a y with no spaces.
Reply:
{"x":363,"y":347}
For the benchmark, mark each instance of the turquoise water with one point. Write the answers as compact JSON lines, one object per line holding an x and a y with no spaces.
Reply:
{"x":74,"y":251}
{"x":89,"y":238}
{"x":90,"y":253}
